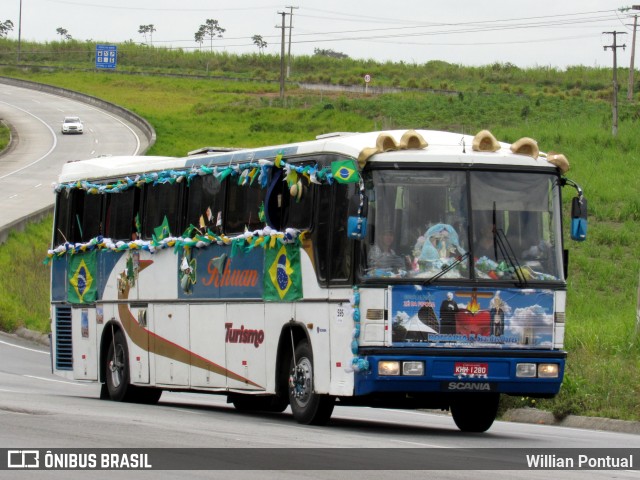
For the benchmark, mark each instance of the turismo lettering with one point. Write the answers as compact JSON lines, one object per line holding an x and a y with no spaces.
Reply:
{"x":243,"y":335}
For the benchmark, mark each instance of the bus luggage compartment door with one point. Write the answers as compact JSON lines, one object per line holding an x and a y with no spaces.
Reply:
{"x":84,"y":337}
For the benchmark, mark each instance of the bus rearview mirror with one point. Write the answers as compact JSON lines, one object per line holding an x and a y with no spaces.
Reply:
{"x":357,"y":221}
{"x":579,"y":219}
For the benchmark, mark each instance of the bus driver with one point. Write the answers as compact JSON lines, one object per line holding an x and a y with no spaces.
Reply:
{"x":382,"y":256}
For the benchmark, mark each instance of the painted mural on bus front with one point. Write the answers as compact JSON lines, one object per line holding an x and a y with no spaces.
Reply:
{"x":477,"y":317}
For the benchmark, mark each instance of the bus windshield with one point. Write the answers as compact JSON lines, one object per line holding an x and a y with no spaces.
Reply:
{"x":437,"y":225}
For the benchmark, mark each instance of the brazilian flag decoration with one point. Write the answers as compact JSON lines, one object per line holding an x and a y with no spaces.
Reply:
{"x":161,"y":232}
{"x":83,"y":279}
{"x":282,"y":275}
{"x":345,"y":171}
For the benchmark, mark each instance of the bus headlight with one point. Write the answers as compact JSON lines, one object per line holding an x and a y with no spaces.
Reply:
{"x":526,"y":370}
{"x":388,"y":367}
{"x":396,"y":368}
{"x":548,"y":370}
{"x":413,"y":368}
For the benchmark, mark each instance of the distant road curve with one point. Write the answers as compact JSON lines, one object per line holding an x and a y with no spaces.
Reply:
{"x":34,"y":158}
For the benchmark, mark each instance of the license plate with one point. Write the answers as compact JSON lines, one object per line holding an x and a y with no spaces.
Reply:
{"x":464,"y":368}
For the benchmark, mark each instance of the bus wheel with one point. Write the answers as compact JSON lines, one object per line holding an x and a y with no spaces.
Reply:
{"x":475,"y":412}
{"x":118,"y":368}
{"x":308,"y":407}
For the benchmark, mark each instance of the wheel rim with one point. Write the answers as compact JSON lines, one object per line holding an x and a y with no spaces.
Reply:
{"x":116,"y":365}
{"x":302,"y":382}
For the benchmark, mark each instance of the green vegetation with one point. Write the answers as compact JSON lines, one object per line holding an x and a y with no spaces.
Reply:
{"x":24,"y":294}
{"x":5,"y":136}
{"x":565,"y":111}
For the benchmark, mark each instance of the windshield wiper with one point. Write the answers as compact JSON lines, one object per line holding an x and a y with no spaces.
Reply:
{"x":501,"y":242}
{"x":444,"y":270}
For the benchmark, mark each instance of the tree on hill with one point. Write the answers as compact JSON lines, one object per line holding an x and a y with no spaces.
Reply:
{"x":259,"y":42}
{"x":212,"y":29}
{"x":64,"y":33}
{"x":5,"y":28}
{"x":147,"y":29}
{"x":199,"y":37}
{"x":321,"y":52}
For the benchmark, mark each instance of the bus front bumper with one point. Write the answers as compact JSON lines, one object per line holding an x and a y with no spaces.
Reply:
{"x":535,"y":375}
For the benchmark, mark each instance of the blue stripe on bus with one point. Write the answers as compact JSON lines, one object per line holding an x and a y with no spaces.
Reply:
{"x":439,"y":374}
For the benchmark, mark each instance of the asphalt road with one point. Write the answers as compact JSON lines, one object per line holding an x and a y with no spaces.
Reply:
{"x":32,"y":165}
{"x":40,"y":410}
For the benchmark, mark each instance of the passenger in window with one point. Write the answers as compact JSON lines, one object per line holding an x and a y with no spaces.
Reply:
{"x":383,"y":256}
{"x":485,"y":244}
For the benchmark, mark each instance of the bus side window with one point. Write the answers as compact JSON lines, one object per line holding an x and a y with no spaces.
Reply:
{"x":300,"y":211}
{"x":334,"y":250}
{"x":79,"y":217}
{"x":160,"y":201}
{"x":286,"y":211}
{"x":91,"y":217}
{"x":64,"y":211}
{"x":243,"y":207}
{"x":205,"y":201}
{"x":120,"y":214}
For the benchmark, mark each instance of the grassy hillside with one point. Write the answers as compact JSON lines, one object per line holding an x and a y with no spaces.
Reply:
{"x":565,"y":111}
{"x":4,"y":136}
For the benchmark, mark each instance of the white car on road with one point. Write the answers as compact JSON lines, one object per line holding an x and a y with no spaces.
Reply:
{"x":72,"y":125}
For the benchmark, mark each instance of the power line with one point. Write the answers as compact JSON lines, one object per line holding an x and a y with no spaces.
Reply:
{"x":160,"y":9}
{"x":377,"y":35}
{"x":364,"y":19}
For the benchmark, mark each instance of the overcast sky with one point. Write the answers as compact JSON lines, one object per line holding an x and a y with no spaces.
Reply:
{"x":556,"y":33}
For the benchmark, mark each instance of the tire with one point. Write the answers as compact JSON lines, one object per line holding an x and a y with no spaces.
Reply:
{"x":252,"y":403}
{"x":475,"y":412}
{"x":308,"y":407}
{"x":117,"y":369}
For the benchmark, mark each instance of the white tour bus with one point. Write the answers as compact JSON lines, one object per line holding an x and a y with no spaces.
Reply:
{"x":398,"y":269}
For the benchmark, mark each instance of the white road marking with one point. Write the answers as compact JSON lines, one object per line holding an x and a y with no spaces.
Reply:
{"x":55,"y":141}
{"x":24,"y":348}
{"x":61,"y":381}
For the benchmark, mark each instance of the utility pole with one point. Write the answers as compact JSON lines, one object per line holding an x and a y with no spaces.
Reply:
{"x":290,"y":28}
{"x":633,"y":54}
{"x":614,"y":48}
{"x":282,"y":57}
